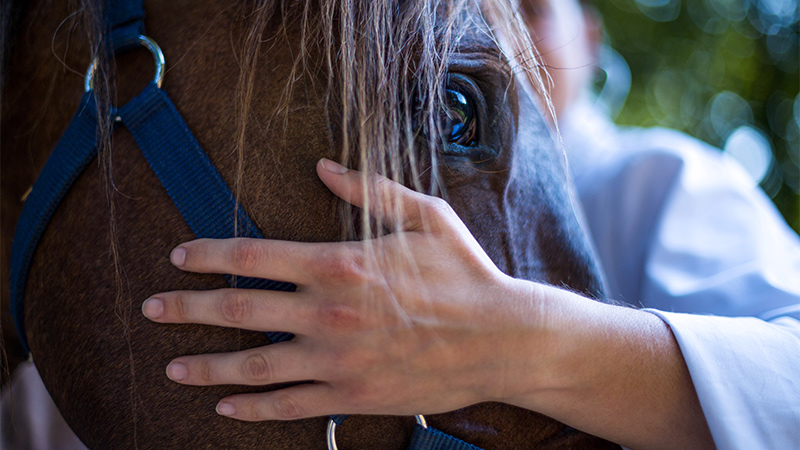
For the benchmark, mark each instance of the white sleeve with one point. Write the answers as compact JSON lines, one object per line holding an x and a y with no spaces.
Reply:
{"x":682,"y":230}
{"x":746,"y":372}
{"x":722,"y":248}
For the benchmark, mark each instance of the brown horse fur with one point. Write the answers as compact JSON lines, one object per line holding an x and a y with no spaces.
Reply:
{"x":106,"y":248}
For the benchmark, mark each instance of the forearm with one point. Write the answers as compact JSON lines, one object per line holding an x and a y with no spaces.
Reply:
{"x":611,"y":371}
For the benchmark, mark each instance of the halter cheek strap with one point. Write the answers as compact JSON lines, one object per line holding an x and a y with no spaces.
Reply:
{"x":72,"y":154}
{"x":181,"y":166}
{"x":169,"y":147}
{"x":174,"y":155}
{"x":125,"y":23}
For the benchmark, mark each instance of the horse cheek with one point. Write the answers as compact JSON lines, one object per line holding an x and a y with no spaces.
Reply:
{"x":478,"y":205}
{"x":548,"y":243}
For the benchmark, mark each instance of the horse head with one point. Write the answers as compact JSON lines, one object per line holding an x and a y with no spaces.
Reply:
{"x":430,"y":93}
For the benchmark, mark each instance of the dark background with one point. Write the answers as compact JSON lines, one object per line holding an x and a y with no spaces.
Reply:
{"x":724,"y":71}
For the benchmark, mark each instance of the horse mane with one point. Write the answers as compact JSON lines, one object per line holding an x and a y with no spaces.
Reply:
{"x":386,"y":63}
{"x":10,"y":14}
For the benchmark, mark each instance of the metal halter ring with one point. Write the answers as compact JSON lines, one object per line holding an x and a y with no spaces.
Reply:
{"x":146,"y":42}
{"x":332,"y":430}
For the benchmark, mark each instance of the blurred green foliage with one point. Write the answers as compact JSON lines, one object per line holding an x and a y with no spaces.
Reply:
{"x":709,"y":67}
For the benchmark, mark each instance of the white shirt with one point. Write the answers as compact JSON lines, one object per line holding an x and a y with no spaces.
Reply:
{"x":682,"y":230}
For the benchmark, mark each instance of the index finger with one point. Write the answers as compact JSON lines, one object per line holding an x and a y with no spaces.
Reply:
{"x":247,"y":257}
{"x":387,"y":201}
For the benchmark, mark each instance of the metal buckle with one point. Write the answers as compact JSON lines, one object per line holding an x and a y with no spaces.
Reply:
{"x":332,"y":430}
{"x":146,"y":42}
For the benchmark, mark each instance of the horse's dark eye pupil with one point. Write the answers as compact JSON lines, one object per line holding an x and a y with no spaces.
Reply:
{"x":459,"y":121}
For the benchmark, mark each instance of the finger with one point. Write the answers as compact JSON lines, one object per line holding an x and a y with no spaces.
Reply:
{"x":260,"y":258}
{"x":387,"y":201}
{"x":247,"y":309}
{"x":278,"y":363}
{"x":296,"y":402}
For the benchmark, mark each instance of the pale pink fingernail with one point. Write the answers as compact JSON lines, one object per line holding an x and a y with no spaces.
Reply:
{"x":225,"y":409}
{"x":333,"y":167}
{"x":153,"y":308}
{"x":178,"y":256}
{"x":176,"y":371}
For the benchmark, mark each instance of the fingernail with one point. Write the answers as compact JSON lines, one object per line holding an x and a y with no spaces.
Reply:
{"x":176,"y":371}
{"x":333,"y":167}
{"x":178,"y":256}
{"x":225,"y":409}
{"x":153,"y":308}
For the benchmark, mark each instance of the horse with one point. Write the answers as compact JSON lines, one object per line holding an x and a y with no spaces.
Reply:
{"x":268,"y":88}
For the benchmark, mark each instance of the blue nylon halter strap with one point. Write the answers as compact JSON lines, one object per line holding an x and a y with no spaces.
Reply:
{"x":425,"y":437}
{"x":70,"y":157}
{"x":192,"y":181}
{"x":181,"y":166}
{"x":429,"y":438}
{"x":196,"y":187}
{"x":124,"y":24}
{"x":169,"y":147}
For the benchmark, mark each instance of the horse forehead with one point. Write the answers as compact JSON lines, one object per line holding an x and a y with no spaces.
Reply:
{"x":473,"y":34}
{"x":301,"y":86}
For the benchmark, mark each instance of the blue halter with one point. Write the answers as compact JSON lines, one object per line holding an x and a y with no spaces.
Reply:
{"x":180,"y":164}
{"x":172,"y":152}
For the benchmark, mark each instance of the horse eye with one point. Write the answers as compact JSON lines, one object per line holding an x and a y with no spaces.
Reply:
{"x":459,"y":122}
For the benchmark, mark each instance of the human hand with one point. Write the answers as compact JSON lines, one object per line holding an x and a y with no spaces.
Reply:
{"x":414,"y":322}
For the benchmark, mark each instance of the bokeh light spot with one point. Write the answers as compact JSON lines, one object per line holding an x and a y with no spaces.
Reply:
{"x":729,"y":111}
{"x":752,"y":149}
{"x":660,"y":10}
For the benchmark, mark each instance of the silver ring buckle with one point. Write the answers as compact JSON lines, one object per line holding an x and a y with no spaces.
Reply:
{"x":332,"y":430}
{"x":146,"y":42}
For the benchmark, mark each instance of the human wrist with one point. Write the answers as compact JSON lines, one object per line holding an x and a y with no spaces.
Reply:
{"x":528,"y":344}
{"x":569,"y":357}
{"x":560,"y":347}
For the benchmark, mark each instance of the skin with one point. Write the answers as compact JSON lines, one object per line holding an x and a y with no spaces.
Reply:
{"x":427,"y":341}
{"x":568,"y":38}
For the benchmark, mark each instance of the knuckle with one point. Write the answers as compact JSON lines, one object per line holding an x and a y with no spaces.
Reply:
{"x":287,"y":407}
{"x":342,"y":267}
{"x":436,"y":207}
{"x":257,"y":368}
{"x":337,"y":360}
{"x":380,"y":183}
{"x":339,"y":317}
{"x":436,"y":212}
{"x":180,"y":306}
{"x":247,"y":254}
{"x":362,"y":361}
{"x":202,"y":372}
{"x":235,"y":306}
{"x":253,"y":410}
{"x":361,"y":396}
